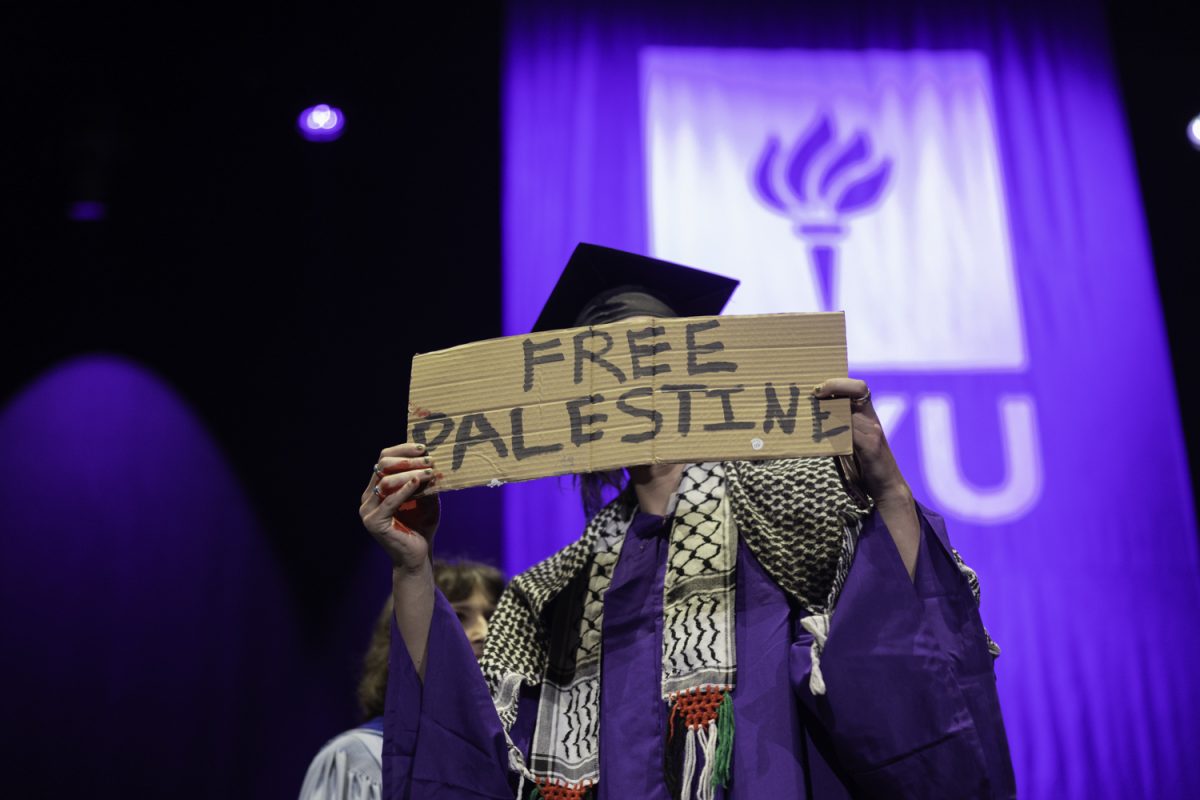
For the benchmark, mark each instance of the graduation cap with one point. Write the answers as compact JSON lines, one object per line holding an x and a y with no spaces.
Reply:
{"x":600,"y":284}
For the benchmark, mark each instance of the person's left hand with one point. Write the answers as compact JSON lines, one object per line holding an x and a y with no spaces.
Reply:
{"x":881,"y":476}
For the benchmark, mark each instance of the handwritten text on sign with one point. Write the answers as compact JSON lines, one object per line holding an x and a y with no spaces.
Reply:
{"x":640,"y":391}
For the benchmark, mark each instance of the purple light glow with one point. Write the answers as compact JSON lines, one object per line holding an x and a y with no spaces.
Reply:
{"x":86,"y":211}
{"x":182,"y":586}
{"x":1194,"y":131}
{"x":321,"y":123}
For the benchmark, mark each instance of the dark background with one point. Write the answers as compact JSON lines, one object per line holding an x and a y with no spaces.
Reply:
{"x":282,"y":286}
{"x":1158,"y":64}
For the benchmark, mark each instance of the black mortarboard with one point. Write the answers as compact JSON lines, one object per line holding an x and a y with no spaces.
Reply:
{"x":595,"y":272}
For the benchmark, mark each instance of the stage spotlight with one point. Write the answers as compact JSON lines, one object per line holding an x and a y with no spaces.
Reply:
{"x":321,"y":123}
{"x":1194,"y":131}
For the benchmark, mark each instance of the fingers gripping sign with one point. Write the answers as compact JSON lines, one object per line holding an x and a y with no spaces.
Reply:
{"x":878,"y":471}
{"x":396,"y":511}
{"x":398,"y":514}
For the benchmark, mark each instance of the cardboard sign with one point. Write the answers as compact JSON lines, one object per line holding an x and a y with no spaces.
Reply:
{"x":640,"y":391}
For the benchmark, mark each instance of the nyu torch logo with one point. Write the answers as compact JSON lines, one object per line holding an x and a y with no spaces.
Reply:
{"x":819,"y":187}
{"x":870,"y":182}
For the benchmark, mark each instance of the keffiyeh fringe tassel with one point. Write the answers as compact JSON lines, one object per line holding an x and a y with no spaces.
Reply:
{"x":706,"y":718}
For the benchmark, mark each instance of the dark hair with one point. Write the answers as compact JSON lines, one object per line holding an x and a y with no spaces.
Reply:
{"x":458,"y":581}
{"x":596,"y":489}
{"x":372,"y":686}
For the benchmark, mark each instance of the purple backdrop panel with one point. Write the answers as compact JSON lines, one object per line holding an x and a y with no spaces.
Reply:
{"x":961,"y":184}
{"x":148,"y":643}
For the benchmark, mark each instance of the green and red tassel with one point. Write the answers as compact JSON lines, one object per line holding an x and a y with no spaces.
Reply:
{"x":700,"y":721}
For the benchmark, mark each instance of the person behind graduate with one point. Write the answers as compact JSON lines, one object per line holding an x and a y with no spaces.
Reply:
{"x":348,"y":766}
{"x":771,"y":629}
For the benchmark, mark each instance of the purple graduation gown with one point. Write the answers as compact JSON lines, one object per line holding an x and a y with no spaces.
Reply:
{"x":910,"y":708}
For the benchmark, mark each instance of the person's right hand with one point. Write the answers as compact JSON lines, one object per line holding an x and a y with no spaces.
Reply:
{"x":394,"y":509}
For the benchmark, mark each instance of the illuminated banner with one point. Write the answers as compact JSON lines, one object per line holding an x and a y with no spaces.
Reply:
{"x":960,"y":182}
{"x":868,"y":182}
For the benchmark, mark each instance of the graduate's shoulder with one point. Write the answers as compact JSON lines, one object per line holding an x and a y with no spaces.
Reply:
{"x":545,"y":579}
{"x":553,"y":573}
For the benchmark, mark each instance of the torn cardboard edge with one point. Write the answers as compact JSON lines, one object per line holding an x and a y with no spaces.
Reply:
{"x":640,"y":391}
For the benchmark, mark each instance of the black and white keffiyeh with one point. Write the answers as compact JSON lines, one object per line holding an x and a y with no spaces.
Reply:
{"x":799,"y":523}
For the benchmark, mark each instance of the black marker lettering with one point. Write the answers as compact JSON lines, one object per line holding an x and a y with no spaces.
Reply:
{"x":639,"y":351}
{"x":582,"y":352}
{"x":649,"y":413}
{"x":693,"y":349}
{"x":820,"y":416}
{"x":467,"y":437}
{"x":531,"y":359}
{"x":685,"y":391}
{"x":578,"y":436}
{"x":727,"y":424}
{"x":775,"y":413}
{"x":520,"y":451}
{"x":420,"y":431}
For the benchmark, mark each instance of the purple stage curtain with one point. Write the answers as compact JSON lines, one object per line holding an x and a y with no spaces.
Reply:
{"x":1051,"y":440}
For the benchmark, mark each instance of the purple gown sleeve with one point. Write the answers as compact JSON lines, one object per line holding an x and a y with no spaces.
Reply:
{"x":910,"y":708}
{"x":442,"y":739}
